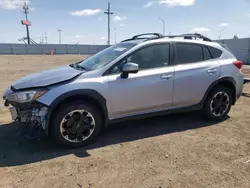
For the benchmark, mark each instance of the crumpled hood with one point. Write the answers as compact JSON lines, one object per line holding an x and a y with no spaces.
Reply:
{"x":47,"y":77}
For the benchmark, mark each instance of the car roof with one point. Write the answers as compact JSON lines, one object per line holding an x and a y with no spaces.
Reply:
{"x":167,"y":39}
{"x":197,"y":39}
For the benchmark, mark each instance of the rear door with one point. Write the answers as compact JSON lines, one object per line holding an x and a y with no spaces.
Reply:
{"x":194,"y":71}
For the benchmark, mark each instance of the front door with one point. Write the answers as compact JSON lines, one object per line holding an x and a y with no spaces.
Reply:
{"x":148,"y":90}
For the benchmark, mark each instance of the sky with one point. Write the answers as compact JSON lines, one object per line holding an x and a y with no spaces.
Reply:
{"x":84,"y":21}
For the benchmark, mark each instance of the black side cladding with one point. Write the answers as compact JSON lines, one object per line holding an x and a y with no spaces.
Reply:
{"x":85,"y":93}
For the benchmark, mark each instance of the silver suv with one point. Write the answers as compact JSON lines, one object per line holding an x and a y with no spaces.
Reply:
{"x":149,"y":74}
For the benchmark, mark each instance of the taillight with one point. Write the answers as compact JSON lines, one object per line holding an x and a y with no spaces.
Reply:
{"x":238,"y":64}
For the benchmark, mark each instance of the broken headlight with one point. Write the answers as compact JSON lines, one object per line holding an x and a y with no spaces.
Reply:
{"x":25,"y":96}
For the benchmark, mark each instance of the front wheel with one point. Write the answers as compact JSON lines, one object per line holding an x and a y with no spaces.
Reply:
{"x":76,"y":124}
{"x":218,"y":103}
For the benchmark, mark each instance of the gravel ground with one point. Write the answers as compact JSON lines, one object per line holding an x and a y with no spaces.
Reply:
{"x":180,"y":150}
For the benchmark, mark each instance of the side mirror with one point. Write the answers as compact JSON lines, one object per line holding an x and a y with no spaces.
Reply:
{"x":129,"y":68}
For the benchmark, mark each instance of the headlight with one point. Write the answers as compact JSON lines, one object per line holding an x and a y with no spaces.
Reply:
{"x":25,"y":96}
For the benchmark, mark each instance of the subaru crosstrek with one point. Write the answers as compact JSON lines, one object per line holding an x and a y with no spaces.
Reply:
{"x":139,"y":77}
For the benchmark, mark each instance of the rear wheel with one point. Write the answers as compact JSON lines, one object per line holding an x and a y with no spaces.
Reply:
{"x":76,"y":124}
{"x":218,"y":103}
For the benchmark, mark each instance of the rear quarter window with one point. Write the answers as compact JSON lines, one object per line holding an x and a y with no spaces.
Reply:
{"x":206,"y":53}
{"x":216,"y":53}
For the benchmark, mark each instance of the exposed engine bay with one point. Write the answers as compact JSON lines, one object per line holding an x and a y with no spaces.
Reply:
{"x":33,"y":115}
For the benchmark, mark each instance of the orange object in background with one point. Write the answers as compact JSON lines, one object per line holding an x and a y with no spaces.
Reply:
{"x":25,"y":22}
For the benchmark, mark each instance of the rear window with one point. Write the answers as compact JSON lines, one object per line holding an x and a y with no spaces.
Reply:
{"x":215,"y":52}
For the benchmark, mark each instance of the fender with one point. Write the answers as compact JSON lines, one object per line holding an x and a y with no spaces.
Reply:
{"x":79,"y":92}
{"x":215,"y":83}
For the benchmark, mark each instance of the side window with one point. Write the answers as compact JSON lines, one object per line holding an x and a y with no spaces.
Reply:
{"x":147,"y":58}
{"x":215,"y":52}
{"x":188,"y":53}
{"x":151,"y":57}
{"x":206,"y":53}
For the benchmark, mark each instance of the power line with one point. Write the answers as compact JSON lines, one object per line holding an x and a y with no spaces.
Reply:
{"x":108,"y":12}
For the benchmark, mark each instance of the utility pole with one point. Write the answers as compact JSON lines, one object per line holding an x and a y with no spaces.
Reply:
{"x":248,"y":52}
{"x":163,"y":25}
{"x":221,"y":32}
{"x":108,"y":13}
{"x":46,"y":38}
{"x":42,"y":38}
{"x":59,"y":30}
{"x":26,"y":11}
{"x":115,"y":35}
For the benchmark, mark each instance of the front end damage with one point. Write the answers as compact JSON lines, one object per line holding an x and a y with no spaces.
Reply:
{"x":32,"y":114}
{"x":21,"y":97}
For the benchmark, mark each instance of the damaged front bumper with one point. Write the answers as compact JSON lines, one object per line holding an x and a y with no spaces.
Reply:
{"x":33,"y":114}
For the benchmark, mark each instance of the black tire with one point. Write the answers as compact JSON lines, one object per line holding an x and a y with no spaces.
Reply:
{"x":207,"y":109}
{"x":66,"y":109}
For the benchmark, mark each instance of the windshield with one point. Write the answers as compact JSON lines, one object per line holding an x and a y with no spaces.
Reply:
{"x":106,"y":56}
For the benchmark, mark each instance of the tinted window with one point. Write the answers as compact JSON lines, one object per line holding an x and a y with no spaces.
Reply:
{"x":188,"y":53}
{"x":206,"y":53}
{"x":152,"y":56}
{"x":215,"y":52}
{"x":147,"y":58}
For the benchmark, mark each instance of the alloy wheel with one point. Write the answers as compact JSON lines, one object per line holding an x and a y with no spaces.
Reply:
{"x":77,"y":126}
{"x":219,"y":103}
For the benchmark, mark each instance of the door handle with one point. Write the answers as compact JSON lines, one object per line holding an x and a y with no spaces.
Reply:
{"x":211,"y":71}
{"x":166,"y":77}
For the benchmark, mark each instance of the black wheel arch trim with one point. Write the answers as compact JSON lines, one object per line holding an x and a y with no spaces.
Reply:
{"x":84,"y":92}
{"x":215,"y":83}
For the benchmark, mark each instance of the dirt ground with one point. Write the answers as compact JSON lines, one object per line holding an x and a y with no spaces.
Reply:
{"x":181,"y":150}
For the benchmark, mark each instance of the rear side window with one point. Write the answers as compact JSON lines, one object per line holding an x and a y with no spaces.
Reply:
{"x":215,"y":52}
{"x":188,"y":53}
{"x":207,"y":55}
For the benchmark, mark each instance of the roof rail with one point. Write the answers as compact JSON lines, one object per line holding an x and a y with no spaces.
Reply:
{"x":189,"y":36}
{"x":157,"y":35}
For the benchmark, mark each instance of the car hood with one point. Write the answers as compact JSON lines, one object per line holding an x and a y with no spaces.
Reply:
{"x":48,"y":77}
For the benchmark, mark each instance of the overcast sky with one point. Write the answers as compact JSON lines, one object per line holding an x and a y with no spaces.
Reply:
{"x":84,"y":21}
